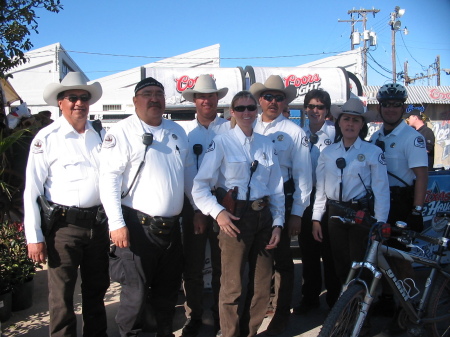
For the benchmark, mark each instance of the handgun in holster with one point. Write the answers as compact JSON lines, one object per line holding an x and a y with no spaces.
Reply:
{"x":227,"y":200}
{"x":50,"y":213}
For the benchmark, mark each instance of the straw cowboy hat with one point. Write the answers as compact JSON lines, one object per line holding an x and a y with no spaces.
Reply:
{"x":205,"y":84}
{"x":355,"y":106}
{"x":274,"y":82}
{"x":72,"y":81}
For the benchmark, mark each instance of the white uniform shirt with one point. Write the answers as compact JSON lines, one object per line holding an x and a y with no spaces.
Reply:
{"x":159,"y":187}
{"x":227,"y":164}
{"x":292,"y":148}
{"x":63,"y":165}
{"x":363,"y":160}
{"x":325,"y":136}
{"x":404,"y":149}
{"x":198,"y":134}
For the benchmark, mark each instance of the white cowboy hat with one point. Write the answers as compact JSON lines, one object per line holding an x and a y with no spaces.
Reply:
{"x":355,"y":106}
{"x":205,"y":84}
{"x":72,"y":81}
{"x":274,"y":82}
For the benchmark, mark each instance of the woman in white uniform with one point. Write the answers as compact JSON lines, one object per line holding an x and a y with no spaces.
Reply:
{"x":351,"y":172}
{"x":250,"y":225}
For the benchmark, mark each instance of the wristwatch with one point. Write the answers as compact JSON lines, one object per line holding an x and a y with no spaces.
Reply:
{"x":417,"y":210}
{"x":277,"y":226}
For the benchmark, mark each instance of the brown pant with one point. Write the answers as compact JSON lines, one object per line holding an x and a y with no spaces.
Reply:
{"x":249,"y":246}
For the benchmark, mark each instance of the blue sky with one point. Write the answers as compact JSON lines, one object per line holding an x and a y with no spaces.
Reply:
{"x":258,"y":33}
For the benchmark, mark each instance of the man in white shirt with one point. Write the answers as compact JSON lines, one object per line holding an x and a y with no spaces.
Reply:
{"x":63,"y":167}
{"x":291,"y":145}
{"x":197,"y":227}
{"x":142,"y":189}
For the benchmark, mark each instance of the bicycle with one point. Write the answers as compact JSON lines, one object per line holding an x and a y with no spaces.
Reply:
{"x":428,"y":315}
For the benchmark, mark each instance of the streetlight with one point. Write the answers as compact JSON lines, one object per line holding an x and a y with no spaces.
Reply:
{"x":395,"y":26}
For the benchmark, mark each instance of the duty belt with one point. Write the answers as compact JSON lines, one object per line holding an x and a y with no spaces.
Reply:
{"x":76,"y":215}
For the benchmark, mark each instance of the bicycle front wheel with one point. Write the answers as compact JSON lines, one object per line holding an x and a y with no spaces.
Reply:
{"x":343,"y":317}
{"x":439,"y":305}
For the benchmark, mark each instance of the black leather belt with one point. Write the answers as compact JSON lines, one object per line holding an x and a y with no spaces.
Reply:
{"x":256,"y":205}
{"x":83,"y":217}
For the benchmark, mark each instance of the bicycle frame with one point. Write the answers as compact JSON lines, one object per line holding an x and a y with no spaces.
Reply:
{"x":376,"y":263}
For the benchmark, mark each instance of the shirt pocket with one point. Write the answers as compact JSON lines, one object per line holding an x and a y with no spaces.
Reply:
{"x":358,"y":169}
{"x":265,"y":163}
{"x":73,"y":167}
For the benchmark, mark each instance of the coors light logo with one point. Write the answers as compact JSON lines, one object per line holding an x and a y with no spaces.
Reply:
{"x":303,"y":84}
{"x":185,"y":82}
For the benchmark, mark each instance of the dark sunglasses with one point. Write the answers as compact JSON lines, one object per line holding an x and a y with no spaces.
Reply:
{"x":83,"y":98}
{"x":241,"y":108}
{"x":312,"y":106}
{"x":270,"y":97}
{"x":394,"y":105}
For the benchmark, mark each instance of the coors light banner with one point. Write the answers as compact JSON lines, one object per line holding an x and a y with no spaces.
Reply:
{"x":176,"y":80}
{"x":334,"y":80}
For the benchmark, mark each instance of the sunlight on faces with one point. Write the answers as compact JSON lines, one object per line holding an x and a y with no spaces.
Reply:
{"x":206,"y":104}
{"x":74,"y":111}
{"x":392,"y":111}
{"x":246,"y":118}
{"x":149,"y":103}
{"x":272,"y":109}
{"x":316,"y":116}
{"x":351,"y":125}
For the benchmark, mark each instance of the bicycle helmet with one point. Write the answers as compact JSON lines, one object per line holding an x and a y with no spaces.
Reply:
{"x":392,"y":91}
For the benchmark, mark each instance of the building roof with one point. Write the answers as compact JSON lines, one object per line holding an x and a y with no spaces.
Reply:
{"x":416,"y":94}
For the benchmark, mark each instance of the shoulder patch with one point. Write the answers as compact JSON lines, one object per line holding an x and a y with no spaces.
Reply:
{"x":382,"y":159}
{"x":211,"y":147}
{"x":109,"y":142}
{"x":305,"y":141}
{"x":37,"y":146}
{"x":419,"y":142}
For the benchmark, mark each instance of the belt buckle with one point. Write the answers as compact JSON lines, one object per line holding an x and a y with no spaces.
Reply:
{"x":258,"y":205}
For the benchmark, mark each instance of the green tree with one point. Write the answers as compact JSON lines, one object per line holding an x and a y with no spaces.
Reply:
{"x":17,"y":19}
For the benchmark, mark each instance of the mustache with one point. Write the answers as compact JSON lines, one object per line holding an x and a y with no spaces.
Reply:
{"x":154,"y":104}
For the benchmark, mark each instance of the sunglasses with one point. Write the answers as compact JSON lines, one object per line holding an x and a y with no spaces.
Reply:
{"x":83,"y":98}
{"x":270,"y":97}
{"x":394,"y":105}
{"x":313,"y":106}
{"x":241,"y":108}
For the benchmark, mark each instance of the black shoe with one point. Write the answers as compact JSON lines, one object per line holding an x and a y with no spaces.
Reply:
{"x":305,"y":307}
{"x":277,"y":325}
{"x":385,"y":306}
{"x":191,"y":327}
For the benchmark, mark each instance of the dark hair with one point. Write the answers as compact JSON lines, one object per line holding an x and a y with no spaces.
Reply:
{"x":362,"y":133}
{"x":320,"y":95}
{"x":242,"y":94}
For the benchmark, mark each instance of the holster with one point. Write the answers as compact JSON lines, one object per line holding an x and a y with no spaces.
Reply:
{"x":227,"y":199}
{"x":49,"y":214}
{"x":289,"y":189}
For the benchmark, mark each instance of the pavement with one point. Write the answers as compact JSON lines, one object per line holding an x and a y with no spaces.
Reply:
{"x":33,"y":322}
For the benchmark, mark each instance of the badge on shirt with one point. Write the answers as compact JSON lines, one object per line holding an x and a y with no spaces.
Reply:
{"x":280,"y":138}
{"x":174,"y":136}
{"x":37,"y":146}
{"x":382,"y":159}
{"x":211,"y":147}
{"x":419,"y":142}
{"x":305,"y":141}
{"x":327,"y":142}
{"x":109,"y":142}
{"x":361,"y":157}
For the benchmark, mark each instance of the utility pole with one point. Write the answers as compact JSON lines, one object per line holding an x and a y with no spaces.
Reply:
{"x":366,"y":34}
{"x":395,"y":26}
{"x":436,"y":65}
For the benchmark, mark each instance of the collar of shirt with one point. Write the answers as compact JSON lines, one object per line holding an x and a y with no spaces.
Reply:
{"x":270,"y":124}
{"x":212,"y":124}
{"x":67,"y":128}
{"x":243,"y":139}
{"x":398,"y":129}
{"x":356,"y":144}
